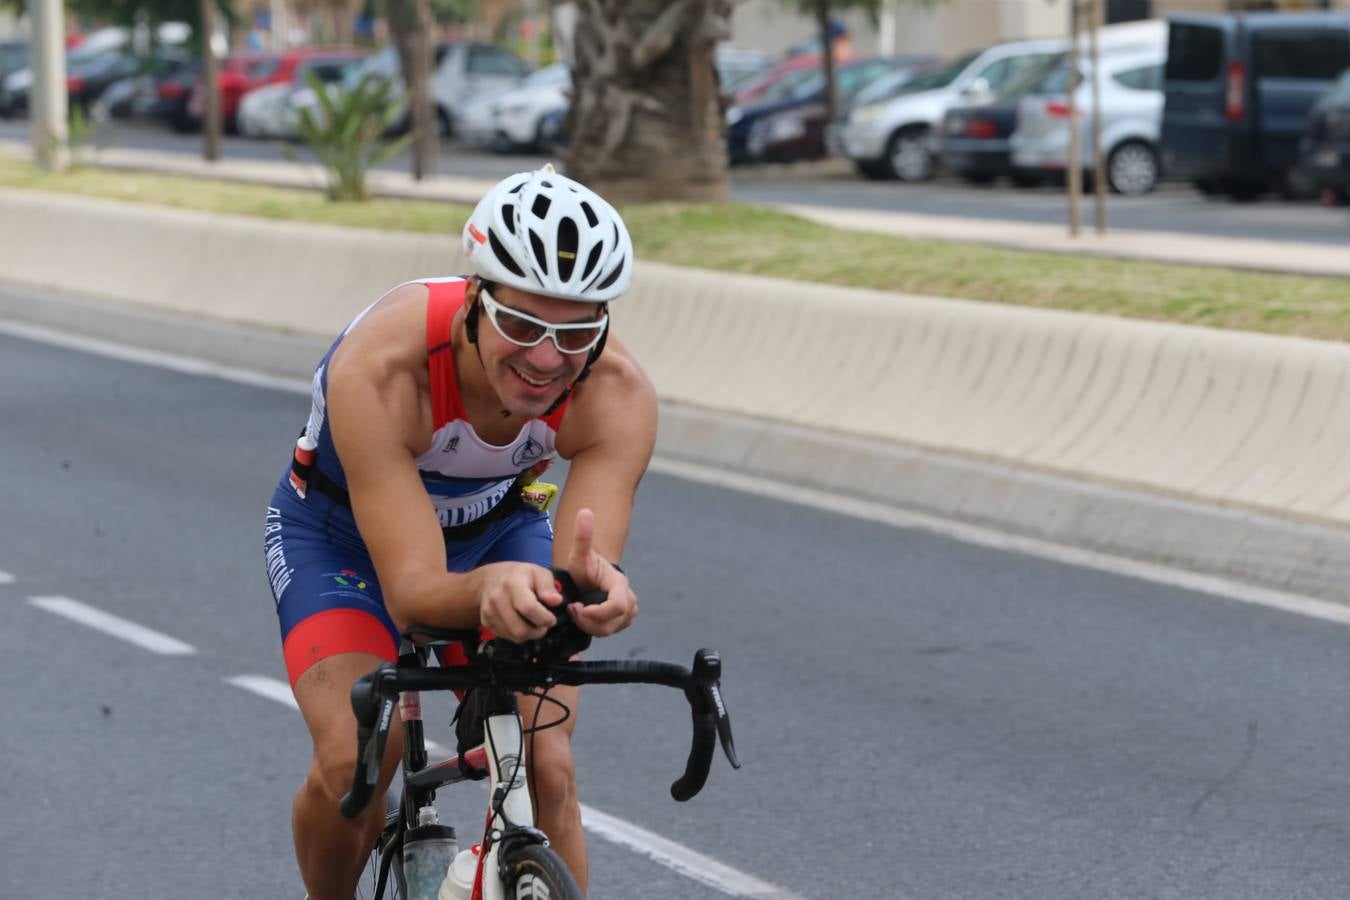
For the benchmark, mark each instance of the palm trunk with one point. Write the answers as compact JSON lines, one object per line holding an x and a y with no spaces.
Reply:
{"x":826,"y":57}
{"x":645,"y":122}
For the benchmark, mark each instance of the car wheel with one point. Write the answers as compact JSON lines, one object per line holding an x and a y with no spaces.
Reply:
{"x":443,"y":126}
{"x":1025,"y":178}
{"x":1132,"y":169}
{"x":908,"y":156}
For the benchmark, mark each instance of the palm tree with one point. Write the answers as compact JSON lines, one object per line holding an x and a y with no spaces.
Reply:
{"x":646,"y":119}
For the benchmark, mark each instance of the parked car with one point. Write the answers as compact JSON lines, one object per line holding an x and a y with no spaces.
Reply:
{"x":468,"y":70}
{"x":171,"y":95}
{"x":898,"y":139}
{"x":1237,"y":93}
{"x":510,"y":120}
{"x":973,"y":140}
{"x":273,"y":110}
{"x":1324,"y":151}
{"x":244,"y":72}
{"x":13,"y":58}
{"x":758,"y":87}
{"x":789,"y":124}
{"x":1131,"y":102}
{"x":879,"y":90}
{"x":133,"y":95}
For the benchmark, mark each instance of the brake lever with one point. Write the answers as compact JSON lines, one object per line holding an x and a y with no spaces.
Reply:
{"x":708,"y":672}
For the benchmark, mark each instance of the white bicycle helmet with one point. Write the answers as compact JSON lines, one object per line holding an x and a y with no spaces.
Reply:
{"x":547,"y":234}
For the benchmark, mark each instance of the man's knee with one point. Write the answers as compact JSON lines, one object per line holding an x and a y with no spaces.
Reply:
{"x":554,"y":770}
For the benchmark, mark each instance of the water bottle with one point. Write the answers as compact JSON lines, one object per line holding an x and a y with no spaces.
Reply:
{"x":428,"y":851}
{"x":458,"y":883}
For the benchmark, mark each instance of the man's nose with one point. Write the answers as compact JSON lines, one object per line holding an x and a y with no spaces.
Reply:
{"x":545,"y":355}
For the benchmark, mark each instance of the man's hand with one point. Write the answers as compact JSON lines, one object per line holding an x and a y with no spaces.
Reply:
{"x":513,"y":600}
{"x":591,"y":572}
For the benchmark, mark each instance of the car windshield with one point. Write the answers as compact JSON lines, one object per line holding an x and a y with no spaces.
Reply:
{"x":1038,"y":77}
{"x":790,"y":85}
{"x":557,"y":73}
{"x":941,"y":76}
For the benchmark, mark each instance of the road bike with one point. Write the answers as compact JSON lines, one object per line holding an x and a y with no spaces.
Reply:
{"x":513,"y":860}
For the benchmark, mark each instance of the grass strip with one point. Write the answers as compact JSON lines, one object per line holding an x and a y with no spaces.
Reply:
{"x":755,"y":240}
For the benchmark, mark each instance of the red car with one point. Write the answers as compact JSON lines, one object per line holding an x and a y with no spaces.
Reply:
{"x":242,"y":72}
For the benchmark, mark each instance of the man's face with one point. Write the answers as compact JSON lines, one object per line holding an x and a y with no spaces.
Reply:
{"x":528,"y":380}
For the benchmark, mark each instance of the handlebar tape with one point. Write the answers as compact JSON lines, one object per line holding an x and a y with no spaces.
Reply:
{"x":700,"y":758}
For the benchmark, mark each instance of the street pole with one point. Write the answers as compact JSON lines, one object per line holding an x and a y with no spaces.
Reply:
{"x":210,"y":84}
{"x":1098,"y":169}
{"x":47,"y":96}
{"x":1075,"y":168}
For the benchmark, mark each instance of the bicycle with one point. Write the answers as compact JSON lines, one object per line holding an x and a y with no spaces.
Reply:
{"x":513,"y":861}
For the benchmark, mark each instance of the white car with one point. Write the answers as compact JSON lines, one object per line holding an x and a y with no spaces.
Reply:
{"x":897,"y":138}
{"x":1132,"y":103}
{"x":464,"y":71}
{"x":511,"y":119}
{"x":273,"y":110}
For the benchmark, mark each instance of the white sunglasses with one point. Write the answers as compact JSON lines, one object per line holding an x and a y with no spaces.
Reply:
{"x":527,"y":331}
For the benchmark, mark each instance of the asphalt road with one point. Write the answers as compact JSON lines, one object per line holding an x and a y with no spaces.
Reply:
{"x":918,"y":717}
{"x":833,"y":184}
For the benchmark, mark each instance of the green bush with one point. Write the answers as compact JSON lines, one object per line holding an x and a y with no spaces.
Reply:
{"x":347,"y":131}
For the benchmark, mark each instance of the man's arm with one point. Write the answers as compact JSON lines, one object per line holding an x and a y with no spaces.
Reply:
{"x":379,"y":414}
{"x":608,"y":437}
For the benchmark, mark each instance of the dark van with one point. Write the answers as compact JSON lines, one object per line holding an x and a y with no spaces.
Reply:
{"x":1237,"y":91}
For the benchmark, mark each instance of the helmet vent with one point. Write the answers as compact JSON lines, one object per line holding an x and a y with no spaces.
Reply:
{"x":540,"y":255}
{"x":591,"y":218}
{"x":516,"y":189}
{"x":540,"y":206}
{"x":509,"y":217}
{"x":613,"y":276}
{"x":567,"y":248}
{"x":591,"y":260}
{"x":503,"y":255}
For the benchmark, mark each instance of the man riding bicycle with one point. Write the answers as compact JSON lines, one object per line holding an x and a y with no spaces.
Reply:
{"x":407,"y":499}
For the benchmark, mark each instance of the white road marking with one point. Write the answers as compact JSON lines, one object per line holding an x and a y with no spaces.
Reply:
{"x":677,"y":857}
{"x":270,"y":688}
{"x":186,"y":364}
{"x":988,"y":537}
{"x":680,"y":858}
{"x":6,"y":578}
{"x":117,"y":627}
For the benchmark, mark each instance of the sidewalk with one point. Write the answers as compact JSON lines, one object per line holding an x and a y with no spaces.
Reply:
{"x":1231,"y":253}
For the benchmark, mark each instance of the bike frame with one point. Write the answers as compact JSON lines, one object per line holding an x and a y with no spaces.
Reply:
{"x":510,"y":813}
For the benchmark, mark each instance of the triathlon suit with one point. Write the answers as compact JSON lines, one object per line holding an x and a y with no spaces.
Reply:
{"x":327,"y":596}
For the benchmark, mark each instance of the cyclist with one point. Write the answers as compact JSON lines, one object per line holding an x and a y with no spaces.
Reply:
{"x":405,"y":500}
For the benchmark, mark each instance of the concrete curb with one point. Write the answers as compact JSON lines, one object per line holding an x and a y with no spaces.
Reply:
{"x":1217,"y":450}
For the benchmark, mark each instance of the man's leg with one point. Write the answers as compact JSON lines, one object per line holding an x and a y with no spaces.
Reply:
{"x":332,"y":850}
{"x":554,"y":778}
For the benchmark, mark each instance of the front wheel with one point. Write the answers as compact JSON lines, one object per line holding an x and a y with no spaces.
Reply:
{"x":535,"y":872}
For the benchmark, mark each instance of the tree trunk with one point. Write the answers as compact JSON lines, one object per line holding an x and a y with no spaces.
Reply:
{"x":411,"y":25}
{"x":645,"y":122}
{"x":211,"y":112}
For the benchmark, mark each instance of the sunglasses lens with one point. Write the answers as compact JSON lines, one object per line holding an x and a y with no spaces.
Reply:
{"x":574,"y":340}
{"x":518,"y":330}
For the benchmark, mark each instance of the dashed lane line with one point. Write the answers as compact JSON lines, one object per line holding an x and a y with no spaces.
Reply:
{"x":677,"y":857}
{"x":107,"y":623}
